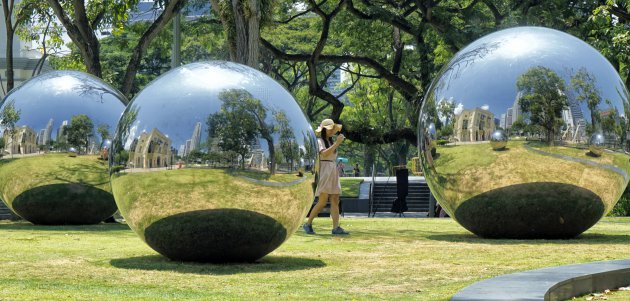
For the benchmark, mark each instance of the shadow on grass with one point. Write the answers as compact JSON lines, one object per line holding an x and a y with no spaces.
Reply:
{"x":264,"y":265}
{"x":588,"y":238}
{"x":26,"y":226}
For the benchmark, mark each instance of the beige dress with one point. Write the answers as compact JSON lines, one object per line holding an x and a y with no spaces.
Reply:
{"x":328,"y":173}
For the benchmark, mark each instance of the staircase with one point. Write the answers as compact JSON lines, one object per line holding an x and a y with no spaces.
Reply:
{"x":5,"y":213}
{"x":384,"y":194}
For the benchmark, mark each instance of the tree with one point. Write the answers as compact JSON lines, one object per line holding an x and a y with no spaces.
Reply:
{"x":79,"y":131}
{"x":252,"y":110}
{"x":10,"y":11}
{"x":288,"y":144}
{"x":103,"y":131}
{"x":544,"y":98}
{"x":519,"y":125}
{"x":8,"y":118}
{"x":82,"y":19}
{"x":233,"y":128}
{"x":242,"y":21}
{"x":586,"y":91}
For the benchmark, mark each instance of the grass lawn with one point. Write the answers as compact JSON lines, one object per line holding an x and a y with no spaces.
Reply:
{"x":350,"y":187}
{"x":388,"y":258}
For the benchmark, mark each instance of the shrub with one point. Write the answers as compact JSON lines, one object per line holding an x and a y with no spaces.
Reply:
{"x":623,"y":205}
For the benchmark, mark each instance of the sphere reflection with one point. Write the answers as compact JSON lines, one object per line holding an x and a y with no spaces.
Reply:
{"x":596,"y":144}
{"x":52,"y":128}
{"x":498,"y":140}
{"x":550,"y":92}
{"x":212,"y":161}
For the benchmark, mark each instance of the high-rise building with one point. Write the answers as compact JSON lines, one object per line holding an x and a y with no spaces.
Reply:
{"x":47,"y":132}
{"x":61,"y":132}
{"x":40,"y":137}
{"x":187,"y":149}
{"x":196,"y":138}
{"x":508,"y":119}
{"x":182,"y":150}
{"x":516,"y":107}
{"x":502,"y":121}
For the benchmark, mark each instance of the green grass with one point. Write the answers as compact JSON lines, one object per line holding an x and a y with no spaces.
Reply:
{"x":350,"y":187}
{"x":393,"y":259}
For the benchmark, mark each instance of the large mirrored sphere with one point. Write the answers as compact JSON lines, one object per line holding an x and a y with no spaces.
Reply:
{"x":549,"y":91}
{"x":498,"y":140}
{"x":597,"y":144}
{"x":213,"y":162}
{"x":53,"y":127}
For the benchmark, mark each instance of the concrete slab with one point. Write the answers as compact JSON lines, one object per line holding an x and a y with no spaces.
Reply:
{"x":556,"y":283}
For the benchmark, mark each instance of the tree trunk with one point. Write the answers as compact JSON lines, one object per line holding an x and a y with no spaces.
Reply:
{"x":272,"y":155}
{"x":253,"y":33}
{"x":7,"y":9}
{"x":173,"y":7}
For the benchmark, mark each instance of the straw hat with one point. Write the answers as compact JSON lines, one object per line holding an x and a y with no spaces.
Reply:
{"x":328,"y":124}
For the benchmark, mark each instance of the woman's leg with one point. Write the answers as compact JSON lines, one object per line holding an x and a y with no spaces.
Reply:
{"x":334,"y":209}
{"x":323,"y":199}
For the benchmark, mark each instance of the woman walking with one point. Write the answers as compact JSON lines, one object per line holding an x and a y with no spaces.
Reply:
{"x":328,"y":186}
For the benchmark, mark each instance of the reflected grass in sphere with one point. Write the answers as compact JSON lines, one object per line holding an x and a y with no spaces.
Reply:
{"x":213,"y":162}
{"x":50,"y":171}
{"x":532,"y":81}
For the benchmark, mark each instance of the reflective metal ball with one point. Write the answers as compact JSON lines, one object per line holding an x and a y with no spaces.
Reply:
{"x":551,"y":91}
{"x":52,"y":126}
{"x":596,"y":144}
{"x":213,"y":162}
{"x":498,"y":140}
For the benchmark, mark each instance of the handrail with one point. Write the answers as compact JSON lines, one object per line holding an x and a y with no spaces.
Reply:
{"x":371,"y":201}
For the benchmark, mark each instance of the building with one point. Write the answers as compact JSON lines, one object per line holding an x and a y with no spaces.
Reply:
{"x":502,"y":121}
{"x":150,"y":150}
{"x":474,"y":125}
{"x":195,"y":139}
{"x":508,"y":119}
{"x":62,"y":136}
{"x":516,"y":107}
{"x":47,"y":132}
{"x":23,"y":142}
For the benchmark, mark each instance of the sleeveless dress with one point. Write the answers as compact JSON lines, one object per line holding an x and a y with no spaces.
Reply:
{"x":328,"y":174}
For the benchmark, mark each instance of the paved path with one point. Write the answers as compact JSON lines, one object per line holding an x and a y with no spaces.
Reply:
{"x":557,"y":283}
{"x":579,"y":160}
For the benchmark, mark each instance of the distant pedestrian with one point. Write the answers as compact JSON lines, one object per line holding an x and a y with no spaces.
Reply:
{"x":357,"y":170}
{"x":341,"y":167}
{"x":328,"y":186}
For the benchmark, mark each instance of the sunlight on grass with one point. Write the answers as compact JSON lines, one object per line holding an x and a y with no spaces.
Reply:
{"x":393,"y":259}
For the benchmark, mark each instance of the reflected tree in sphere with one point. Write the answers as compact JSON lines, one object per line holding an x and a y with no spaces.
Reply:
{"x":549,"y":93}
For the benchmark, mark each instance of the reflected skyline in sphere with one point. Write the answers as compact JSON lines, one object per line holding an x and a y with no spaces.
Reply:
{"x":548,"y":92}
{"x":498,"y":140}
{"x":213,"y":161}
{"x":53,"y":128}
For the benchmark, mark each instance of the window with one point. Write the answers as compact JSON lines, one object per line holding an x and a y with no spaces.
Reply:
{"x":465,"y":124}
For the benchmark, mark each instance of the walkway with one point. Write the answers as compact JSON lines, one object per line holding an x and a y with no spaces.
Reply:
{"x":557,"y":283}
{"x":579,"y":160}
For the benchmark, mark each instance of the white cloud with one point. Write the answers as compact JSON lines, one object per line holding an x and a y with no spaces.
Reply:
{"x":459,"y":108}
{"x":485,"y":107}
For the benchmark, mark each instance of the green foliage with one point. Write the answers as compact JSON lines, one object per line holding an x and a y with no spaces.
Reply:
{"x":79,"y":131}
{"x":9,"y":116}
{"x":543,"y":97}
{"x":586,"y":91}
{"x":622,"y":208}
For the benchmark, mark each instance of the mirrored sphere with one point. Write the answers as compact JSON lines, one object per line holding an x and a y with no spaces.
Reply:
{"x":213,"y":162}
{"x":53,"y":126}
{"x":548,"y":91}
{"x":597,"y":144}
{"x":498,"y":140}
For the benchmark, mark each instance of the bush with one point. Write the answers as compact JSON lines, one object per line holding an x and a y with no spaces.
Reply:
{"x":623,"y":205}
{"x":442,"y":142}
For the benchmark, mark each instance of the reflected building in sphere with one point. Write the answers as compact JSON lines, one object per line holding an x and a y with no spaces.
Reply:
{"x":236,"y":194}
{"x":52,"y":187}
{"x":474,"y":125}
{"x":150,"y":150}
{"x":545,"y":184}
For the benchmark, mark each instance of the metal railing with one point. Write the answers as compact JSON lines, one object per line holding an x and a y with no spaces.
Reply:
{"x":371,"y":201}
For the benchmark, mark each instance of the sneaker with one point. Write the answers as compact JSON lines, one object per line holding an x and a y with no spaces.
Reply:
{"x":308,"y":228}
{"x":339,"y":231}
